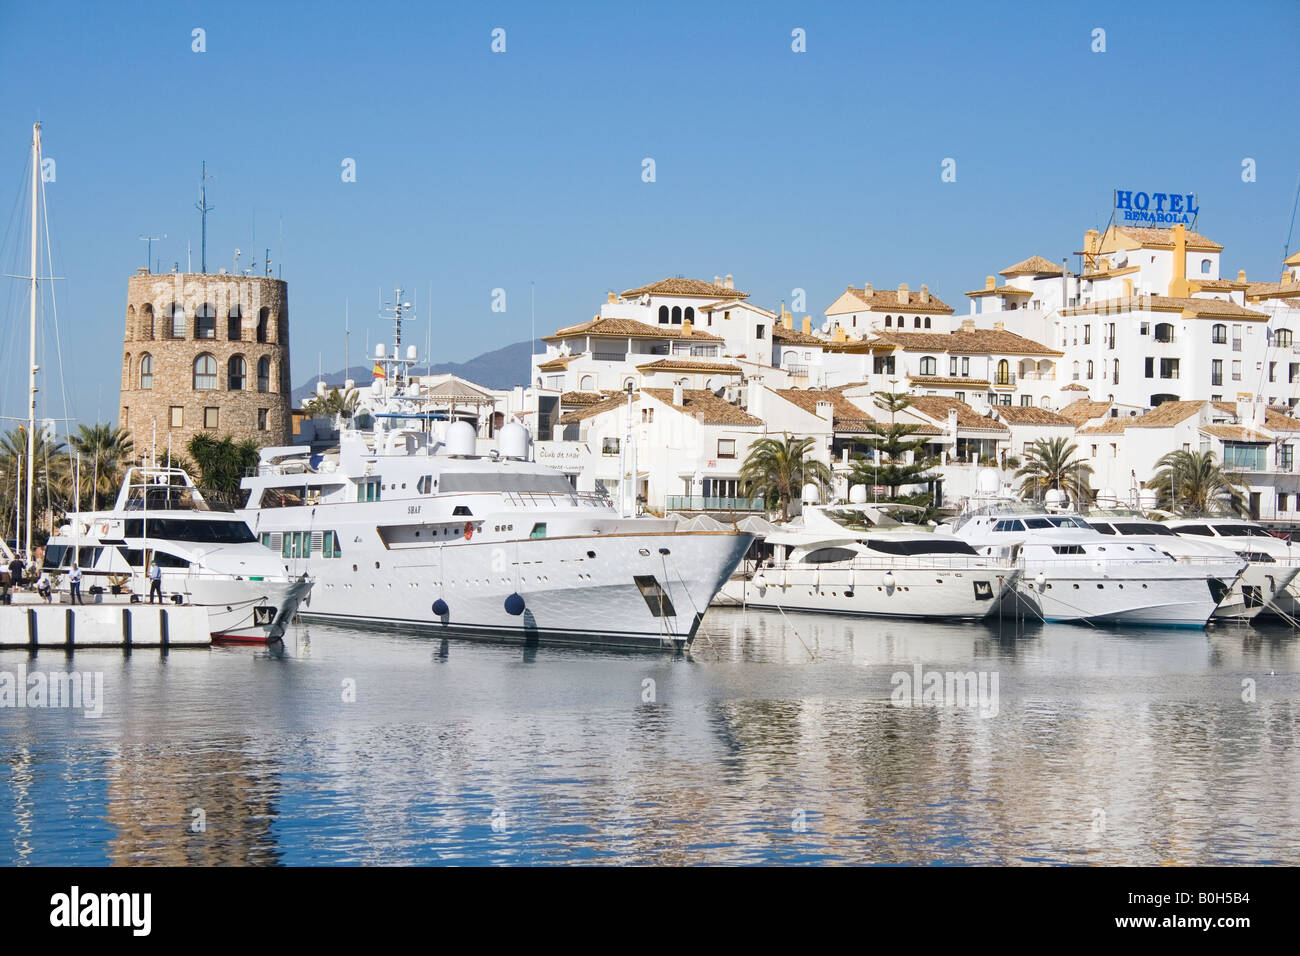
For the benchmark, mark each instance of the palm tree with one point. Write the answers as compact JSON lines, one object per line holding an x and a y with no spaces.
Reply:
{"x":778,"y":470}
{"x":104,"y":452}
{"x":341,"y":403}
{"x":48,"y":475}
{"x":1198,"y":484}
{"x":222,"y":464}
{"x":1051,"y":463}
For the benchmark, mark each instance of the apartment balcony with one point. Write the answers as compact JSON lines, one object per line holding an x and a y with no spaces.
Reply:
{"x":797,"y":371}
{"x":1038,"y":377}
{"x":710,"y":503}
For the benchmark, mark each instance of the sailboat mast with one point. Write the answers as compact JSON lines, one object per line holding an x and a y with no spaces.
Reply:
{"x":31,"y":363}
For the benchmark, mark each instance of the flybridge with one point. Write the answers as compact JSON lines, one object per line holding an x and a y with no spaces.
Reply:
{"x":1156,"y":208}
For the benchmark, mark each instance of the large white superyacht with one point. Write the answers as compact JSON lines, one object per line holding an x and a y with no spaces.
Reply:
{"x":410,"y":522}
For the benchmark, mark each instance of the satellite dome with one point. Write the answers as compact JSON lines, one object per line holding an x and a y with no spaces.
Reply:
{"x":1147,"y":499}
{"x":411,"y":353}
{"x":811,"y":494}
{"x":461,"y":439}
{"x":858,"y":494}
{"x":987,"y":481}
{"x":1054,"y":498}
{"x":380,"y":351}
{"x":512,"y":441}
{"x":1107,"y":498}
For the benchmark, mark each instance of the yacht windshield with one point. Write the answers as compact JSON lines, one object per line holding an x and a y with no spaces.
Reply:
{"x":1241,"y":531}
{"x":201,"y":532}
{"x":914,"y":546}
{"x":523,"y":482}
{"x":1138,"y":527}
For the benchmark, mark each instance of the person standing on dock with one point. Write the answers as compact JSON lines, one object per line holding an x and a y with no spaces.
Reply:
{"x":16,"y":573}
{"x":74,"y":584}
{"x":155,"y":581}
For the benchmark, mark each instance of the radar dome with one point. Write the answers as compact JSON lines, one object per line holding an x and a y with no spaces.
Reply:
{"x":380,"y":351}
{"x":460,"y":439}
{"x":1147,"y":499}
{"x":987,"y":481}
{"x":811,"y":494}
{"x":1107,"y":498}
{"x":377,"y":388}
{"x":512,"y":441}
{"x":858,"y":494}
{"x":411,"y":353}
{"x":1054,"y":498}
{"x":320,"y":389}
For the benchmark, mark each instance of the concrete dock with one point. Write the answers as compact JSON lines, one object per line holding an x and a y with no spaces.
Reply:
{"x":35,"y":624}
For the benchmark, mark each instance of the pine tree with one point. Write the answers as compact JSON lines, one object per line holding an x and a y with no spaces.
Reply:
{"x":902,"y":460}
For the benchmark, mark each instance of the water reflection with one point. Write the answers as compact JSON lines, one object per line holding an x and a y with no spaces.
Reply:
{"x":775,"y":739}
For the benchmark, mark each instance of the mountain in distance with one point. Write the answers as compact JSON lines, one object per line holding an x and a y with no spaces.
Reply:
{"x":501,"y":368}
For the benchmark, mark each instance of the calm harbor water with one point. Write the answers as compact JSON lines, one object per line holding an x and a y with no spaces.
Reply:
{"x":776,"y":740}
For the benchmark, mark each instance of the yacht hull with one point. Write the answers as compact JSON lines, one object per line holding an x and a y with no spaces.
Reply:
{"x":1155,"y":595}
{"x":622,"y":590}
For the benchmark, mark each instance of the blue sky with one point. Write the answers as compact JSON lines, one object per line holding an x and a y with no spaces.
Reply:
{"x":479,"y":170}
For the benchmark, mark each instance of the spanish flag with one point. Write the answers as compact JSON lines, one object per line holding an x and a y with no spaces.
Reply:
{"x":379,"y":371}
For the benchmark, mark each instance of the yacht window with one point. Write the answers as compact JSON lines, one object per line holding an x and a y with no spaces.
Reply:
{"x":539,"y":531}
{"x":914,"y":547}
{"x":462,"y":510}
{"x":1241,"y":531}
{"x":523,"y":482}
{"x":1133,"y":527}
{"x":1009,"y":524}
{"x":284,"y":496}
{"x":1068,"y":549}
{"x":1038,"y":523}
{"x":203,"y":532}
{"x":1256,"y":557}
{"x":1102,"y":527}
{"x":88,"y":556}
{"x":829,"y":555}
{"x":54,"y":555}
{"x":1200,"y":529}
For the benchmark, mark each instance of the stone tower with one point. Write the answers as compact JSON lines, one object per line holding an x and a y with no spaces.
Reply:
{"x":205,"y":353}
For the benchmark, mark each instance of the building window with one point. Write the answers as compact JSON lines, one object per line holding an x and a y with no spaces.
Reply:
{"x":178,"y":322}
{"x":1216,"y":371}
{"x":177,"y":416}
{"x":927,"y":321}
{"x":1164,"y":332}
{"x":663,"y":315}
{"x":146,"y":371}
{"x":1169,"y":368}
{"x":205,"y":322}
{"x":1282,"y":338}
{"x":210,"y":417}
{"x":1285,"y":457}
{"x":677,"y":315}
{"x":263,"y":322}
{"x":1281,"y":501}
{"x":760,"y":331}
{"x":883,"y":364}
{"x":1026,"y":401}
{"x":929,"y":365}
{"x":264,"y":374}
{"x":205,"y":372}
{"x":236,"y":372}
{"x":234,"y":324}
{"x":1004,"y":372}
{"x":609,"y":446}
{"x":1205,"y":267}
{"x":965,"y":367}
{"x":1272,"y":372}
{"x":726,"y":448}
{"x":960,"y":396}
{"x":1236,"y":370}
{"x":1087,"y":334}
{"x":1076,"y":370}
{"x":1089,"y":368}
{"x":952,"y":366}
{"x":1114,"y":379}
{"x":261,"y":419}
{"x":1150,"y":367}
{"x":647,"y":416}
{"x":1236,"y":338}
{"x":916,"y":322}
{"x":1218,"y":334}
{"x":1144,"y":328}
{"x":889,"y":321}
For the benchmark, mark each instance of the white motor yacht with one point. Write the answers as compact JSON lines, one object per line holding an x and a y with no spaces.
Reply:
{"x":205,"y":558}
{"x":1276,"y":557}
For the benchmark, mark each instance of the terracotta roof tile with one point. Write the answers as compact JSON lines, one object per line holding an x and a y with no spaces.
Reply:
{"x":1154,"y":237}
{"x":705,"y":407}
{"x":1164,"y":303}
{"x":688,"y":365}
{"x":623,"y":328}
{"x":846,"y":416}
{"x":1083,"y":411}
{"x":1236,"y":433}
{"x":938,"y":381}
{"x":596,"y":408}
{"x":1030,"y":415}
{"x":977,"y":341}
{"x":937,"y":407}
{"x":1111,"y":426}
{"x":1167,"y":414}
{"x":575,"y":399}
{"x":1269,"y":290}
{"x":1280,"y":421}
{"x":1033,"y":266}
{"x":886,"y":300}
{"x":999,"y":290}
{"x":557,"y":364}
{"x":1074,"y":387}
{"x":687,"y":287}
{"x":795,"y":336}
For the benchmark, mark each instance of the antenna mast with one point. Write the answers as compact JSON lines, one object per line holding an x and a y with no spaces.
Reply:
{"x":148,"y":264}
{"x":31,"y":363}
{"x":203,"y":207}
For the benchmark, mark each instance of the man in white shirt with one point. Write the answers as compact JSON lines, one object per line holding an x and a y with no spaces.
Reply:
{"x":74,"y":584}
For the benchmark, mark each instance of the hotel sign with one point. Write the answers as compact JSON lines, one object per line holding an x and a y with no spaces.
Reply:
{"x":1159,"y":209}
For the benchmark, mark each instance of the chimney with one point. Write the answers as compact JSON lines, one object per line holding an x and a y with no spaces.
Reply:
{"x":1178,"y":284}
{"x":968,"y":325}
{"x":754,"y":398}
{"x":807,"y":325}
{"x":678,"y":397}
{"x":1241,"y":275}
{"x":952,"y":424}
{"x":612,"y":298}
{"x":999,"y":325}
{"x":687,"y":326}
{"x":839,"y":335}
{"x":925,"y":293}
{"x":826,"y":410}
{"x":867,"y":290}
{"x":990,"y":282}
{"x":728,"y":282}
{"x":902,"y":293}
{"x":787,"y":318}
{"x":1105,"y":264}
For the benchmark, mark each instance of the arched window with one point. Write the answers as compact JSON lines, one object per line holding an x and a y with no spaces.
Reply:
{"x":263,"y":320}
{"x":1164,"y":332}
{"x":178,"y":321}
{"x":690,"y":313}
{"x":126,"y":370}
{"x":235,"y":324}
{"x":146,"y":370}
{"x":205,"y":372}
{"x":264,"y":375}
{"x":1004,"y":372}
{"x":1282,"y":338}
{"x":236,"y":372}
{"x":282,"y":329}
{"x":927,"y":321}
{"x":916,"y":322}
{"x":587,"y":384}
{"x":1089,"y":368}
{"x":1076,"y":371}
{"x":1205,"y":267}
{"x":1219,"y":334}
{"x":663,"y":315}
{"x":205,"y":322}
{"x":627,"y":383}
{"x":677,"y":315}
{"x":889,"y":321}
{"x":929,"y":365}
{"x":131,"y":328}
{"x":146,"y":321}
